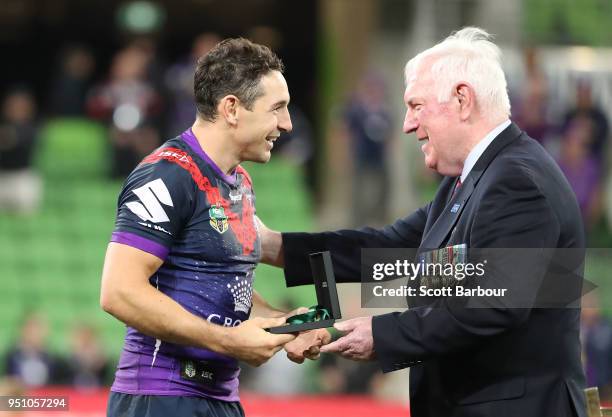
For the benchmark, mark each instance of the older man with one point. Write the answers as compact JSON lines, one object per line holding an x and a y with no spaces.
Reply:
{"x":500,"y":190}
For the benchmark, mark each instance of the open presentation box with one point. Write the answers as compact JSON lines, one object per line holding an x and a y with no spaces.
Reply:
{"x":327,"y":298}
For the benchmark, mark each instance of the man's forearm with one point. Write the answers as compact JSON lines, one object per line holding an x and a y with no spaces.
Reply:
{"x":271,"y":245}
{"x":155,"y":314}
{"x":261,"y":308}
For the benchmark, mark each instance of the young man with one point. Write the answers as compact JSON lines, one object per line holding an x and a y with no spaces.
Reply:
{"x":179,"y":268}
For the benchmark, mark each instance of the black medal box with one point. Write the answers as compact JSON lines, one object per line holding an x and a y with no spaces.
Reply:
{"x":327,"y":310}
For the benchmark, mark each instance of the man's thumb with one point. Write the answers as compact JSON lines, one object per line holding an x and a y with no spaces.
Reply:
{"x":344,"y":326}
{"x":266,"y":322}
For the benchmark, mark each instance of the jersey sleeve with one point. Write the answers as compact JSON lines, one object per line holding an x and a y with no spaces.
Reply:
{"x":154,"y":206}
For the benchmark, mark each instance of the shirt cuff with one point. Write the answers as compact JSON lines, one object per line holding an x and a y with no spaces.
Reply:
{"x":139,"y":242}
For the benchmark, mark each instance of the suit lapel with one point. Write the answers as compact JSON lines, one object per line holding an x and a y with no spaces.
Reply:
{"x":439,"y":201}
{"x":447,"y":214}
{"x":448,"y":217}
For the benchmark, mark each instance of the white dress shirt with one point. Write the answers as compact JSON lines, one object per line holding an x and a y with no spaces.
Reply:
{"x":480,"y":148}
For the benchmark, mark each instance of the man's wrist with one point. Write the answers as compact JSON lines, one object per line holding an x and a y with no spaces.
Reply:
{"x":218,"y":338}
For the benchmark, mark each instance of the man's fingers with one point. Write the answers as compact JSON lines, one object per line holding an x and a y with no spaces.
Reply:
{"x":313,"y":357}
{"x":281,"y":339}
{"x":335,"y":347}
{"x":299,"y":310}
{"x":345,"y":326}
{"x":325,"y":337}
{"x":265,"y":322}
{"x":314,"y":350}
{"x":313,"y":353}
{"x":277,"y":348}
{"x":295,"y":358}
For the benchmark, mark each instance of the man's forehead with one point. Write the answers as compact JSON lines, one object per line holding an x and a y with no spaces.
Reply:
{"x":418,"y":84}
{"x":412,"y":91}
{"x":274,"y":86}
{"x":274,"y":79}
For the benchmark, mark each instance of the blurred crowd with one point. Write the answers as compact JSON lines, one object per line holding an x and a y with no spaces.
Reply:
{"x":578,"y":138}
{"x":30,"y":363}
{"x":143,"y":101}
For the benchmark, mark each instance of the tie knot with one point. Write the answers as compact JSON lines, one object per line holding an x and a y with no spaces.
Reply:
{"x":456,"y":188}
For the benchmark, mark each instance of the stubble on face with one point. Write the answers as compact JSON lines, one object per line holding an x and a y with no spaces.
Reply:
{"x":261,"y":125}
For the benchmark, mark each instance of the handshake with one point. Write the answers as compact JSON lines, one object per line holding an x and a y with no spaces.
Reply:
{"x":251,"y":343}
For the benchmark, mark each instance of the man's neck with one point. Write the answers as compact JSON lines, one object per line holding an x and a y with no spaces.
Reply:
{"x":479,"y":132}
{"x":214,"y":143}
{"x":479,"y":137}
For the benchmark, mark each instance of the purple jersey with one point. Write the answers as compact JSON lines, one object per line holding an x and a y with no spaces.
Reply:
{"x":179,"y":206}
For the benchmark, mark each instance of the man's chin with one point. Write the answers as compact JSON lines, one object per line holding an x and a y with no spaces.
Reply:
{"x":263,"y":158}
{"x":431,"y":164}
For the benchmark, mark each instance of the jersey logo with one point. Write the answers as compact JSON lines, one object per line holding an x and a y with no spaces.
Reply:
{"x":242,"y":293}
{"x":242,"y":226}
{"x":218,"y":219}
{"x":150,"y":195}
{"x":190,"y":369}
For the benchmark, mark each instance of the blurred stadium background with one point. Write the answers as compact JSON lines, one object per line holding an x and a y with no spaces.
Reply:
{"x":90,"y":86}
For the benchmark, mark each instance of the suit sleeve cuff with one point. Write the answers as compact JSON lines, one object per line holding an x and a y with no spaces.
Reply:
{"x":296,"y":249}
{"x":386,"y":335}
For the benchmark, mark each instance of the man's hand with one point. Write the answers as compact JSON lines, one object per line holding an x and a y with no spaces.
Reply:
{"x":357,"y":342}
{"x":307,"y":345}
{"x":250,"y":343}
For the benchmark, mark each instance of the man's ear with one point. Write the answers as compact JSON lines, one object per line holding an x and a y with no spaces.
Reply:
{"x":228,"y":109}
{"x":466,"y":98}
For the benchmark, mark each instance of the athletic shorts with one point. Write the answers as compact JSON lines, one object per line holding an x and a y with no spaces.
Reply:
{"x":129,"y":405}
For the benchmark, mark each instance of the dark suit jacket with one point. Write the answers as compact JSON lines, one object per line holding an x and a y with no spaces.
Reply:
{"x":518,"y":362}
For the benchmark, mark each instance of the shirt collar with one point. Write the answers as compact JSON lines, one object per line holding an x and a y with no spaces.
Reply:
{"x":189,"y":137}
{"x":480,"y":147}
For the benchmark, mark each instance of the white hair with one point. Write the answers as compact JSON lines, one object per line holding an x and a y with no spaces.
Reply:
{"x":469,"y":56}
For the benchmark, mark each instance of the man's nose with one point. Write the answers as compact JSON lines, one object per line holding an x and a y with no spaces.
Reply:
{"x":284,"y":122}
{"x":410,"y":123}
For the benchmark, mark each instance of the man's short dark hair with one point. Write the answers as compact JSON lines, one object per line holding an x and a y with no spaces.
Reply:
{"x":233,"y":66}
